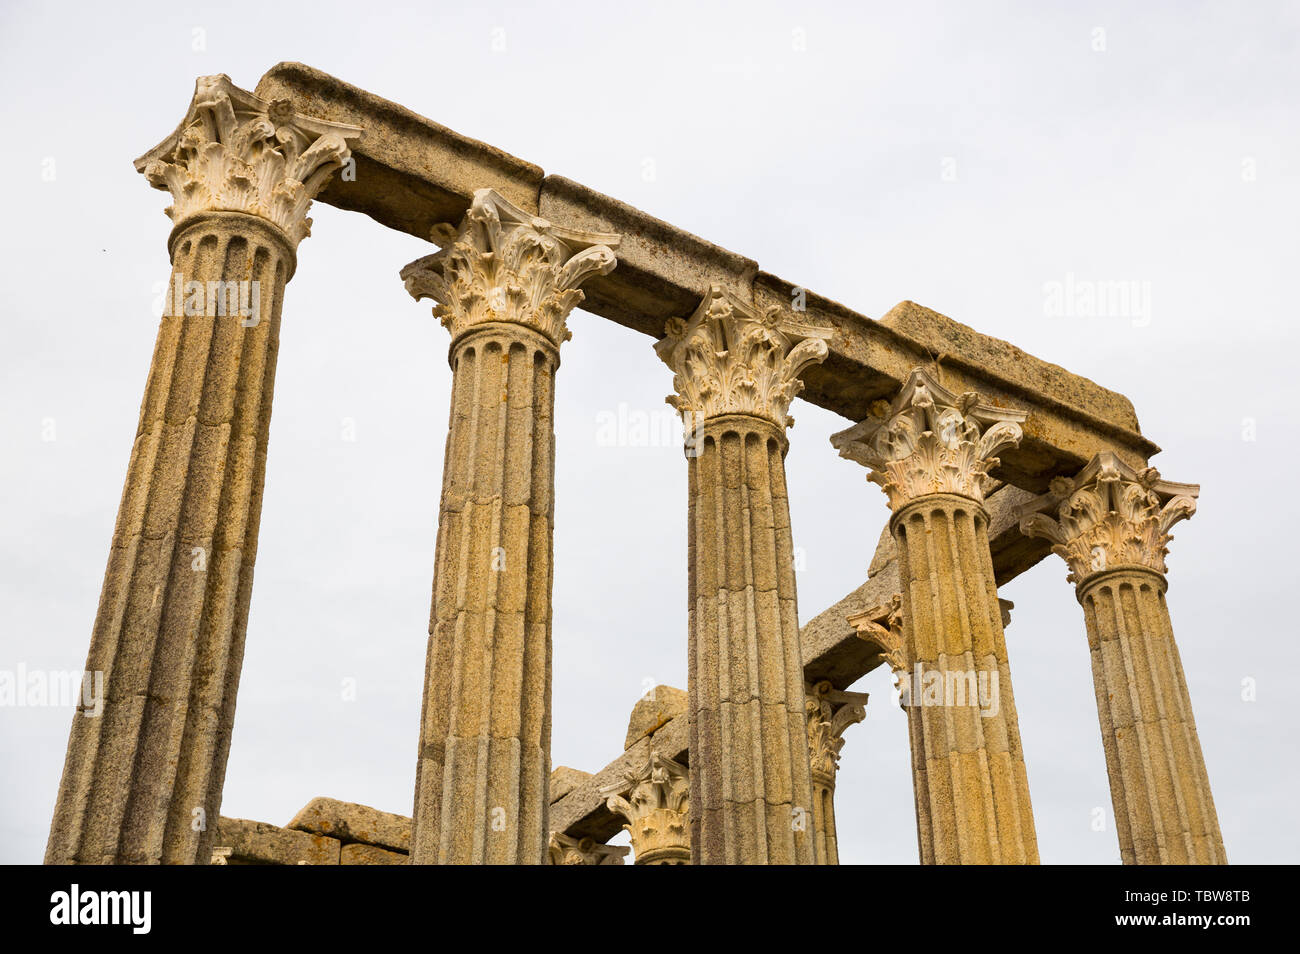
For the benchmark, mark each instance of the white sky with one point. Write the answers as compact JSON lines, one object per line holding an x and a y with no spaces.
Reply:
{"x":1168,"y":158}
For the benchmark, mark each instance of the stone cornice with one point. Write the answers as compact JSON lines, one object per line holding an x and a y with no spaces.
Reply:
{"x":931,"y":441}
{"x":1108,"y":516}
{"x":234,"y":152}
{"x":504,"y":264}
{"x":728,"y":359}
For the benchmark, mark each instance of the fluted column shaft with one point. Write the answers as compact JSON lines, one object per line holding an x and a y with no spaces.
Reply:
{"x":823,"y":788}
{"x":483,"y":772}
{"x":504,"y":286}
{"x":1164,"y":812}
{"x":972,"y":792}
{"x":829,"y":712}
{"x":142,"y":783}
{"x":1110,"y":523}
{"x":751,"y":790}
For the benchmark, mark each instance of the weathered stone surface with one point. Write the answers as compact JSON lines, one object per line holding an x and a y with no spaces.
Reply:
{"x":1111,"y":526}
{"x":931,"y":442}
{"x":829,"y":712}
{"x":931,"y":455}
{"x":662,"y":271}
{"x":564,"y":780}
{"x":257,"y":843}
{"x":173,"y":612}
{"x":652,"y":712}
{"x":358,"y":854}
{"x":412,"y":173}
{"x":1110,"y":515}
{"x":504,"y":288}
{"x":831,"y":648}
{"x":350,"y":822}
{"x":735,"y":373}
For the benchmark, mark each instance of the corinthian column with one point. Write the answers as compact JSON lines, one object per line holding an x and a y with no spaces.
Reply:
{"x":142,"y":783}
{"x":656,"y":803}
{"x":1112,"y":529}
{"x":830,"y":711}
{"x":931,"y":456}
{"x":504,"y":287}
{"x":735,"y":374}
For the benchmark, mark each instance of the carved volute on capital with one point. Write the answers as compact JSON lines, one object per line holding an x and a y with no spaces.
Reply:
{"x":234,"y":152}
{"x":829,"y":712}
{"x":507,"y":265}
{"x":656,"y":803}
{"x":566,"y":850}
{"x":930,"y":442}
{"x":728,"y":359}
{"x":1109,"y":516}
{"x":882,"y":627}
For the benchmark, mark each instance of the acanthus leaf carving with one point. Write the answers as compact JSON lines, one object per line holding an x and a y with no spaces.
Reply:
{"x":506,"y":265}
{"x":728,"y":359}
{"x":829,"y":712}
{"x":882,"y":627}
{"x":1109,"y":515}
{"x":655,"y":800}
{"x":235,"y":152}
{"x":931,"y":441}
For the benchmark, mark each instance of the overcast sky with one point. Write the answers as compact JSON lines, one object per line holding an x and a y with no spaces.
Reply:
{"x":964,"y":156}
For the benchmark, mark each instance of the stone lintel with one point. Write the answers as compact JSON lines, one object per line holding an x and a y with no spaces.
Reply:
{"x":359,"y":854}
{"x":414,"y":175}
{"x":1070,"y":418}
{"x":257,"y":843}
{"x":663,"y":271}
{"x":653,"y":711}
{"x":349,"y":822}
{"x":564,"y":780}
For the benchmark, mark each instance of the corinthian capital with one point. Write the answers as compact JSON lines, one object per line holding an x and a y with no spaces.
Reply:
{"x":234,"y":152}
{"x":882,"y":627}
{"x":655,"y":801}
{"x":507,"y":265}
{"x":727,"y":359}
{"x":1109,"y":516}
{"x":829,"y":712}
{"x":566,"y":850}
{"x":931,"y":442}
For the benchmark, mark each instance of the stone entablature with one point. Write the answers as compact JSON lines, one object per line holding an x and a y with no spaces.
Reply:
{"x":325,"y":832}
